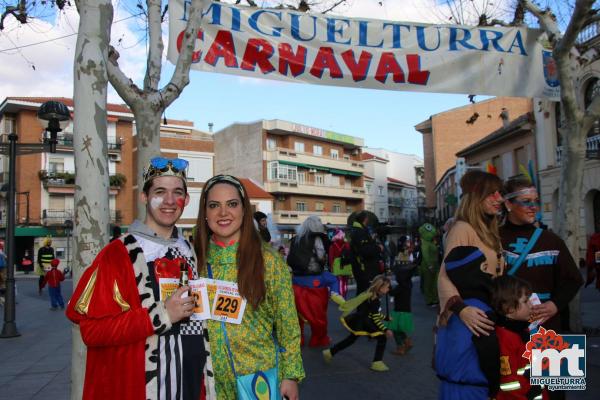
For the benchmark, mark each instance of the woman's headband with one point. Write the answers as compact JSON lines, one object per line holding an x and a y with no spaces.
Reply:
{"x":232,"y":180}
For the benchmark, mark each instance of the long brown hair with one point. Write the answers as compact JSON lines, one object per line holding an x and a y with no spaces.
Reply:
{"x":251,"y":273}
{"x":476,"y":186}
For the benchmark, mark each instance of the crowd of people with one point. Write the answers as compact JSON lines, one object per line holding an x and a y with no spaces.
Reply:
{"x":225,"y":317}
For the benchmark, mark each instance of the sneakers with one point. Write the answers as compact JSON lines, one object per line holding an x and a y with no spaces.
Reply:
{"x":379,"y":366}
{"x":327,"y":356}
{"x":408,"y":343}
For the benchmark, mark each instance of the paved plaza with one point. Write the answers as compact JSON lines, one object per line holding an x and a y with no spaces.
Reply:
{"x":36,"y":365}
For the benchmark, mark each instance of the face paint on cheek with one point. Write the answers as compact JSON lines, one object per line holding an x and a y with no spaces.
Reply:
{"x":156,"y":202}
{"x":181,"y":203}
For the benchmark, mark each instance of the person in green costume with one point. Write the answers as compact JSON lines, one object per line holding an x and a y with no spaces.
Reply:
{"x":430,"y":263}
{"x":230,"y":249}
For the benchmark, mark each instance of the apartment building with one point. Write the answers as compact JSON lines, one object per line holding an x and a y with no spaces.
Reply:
{"x":308,"y":170}
{"x":45,"y":181}
{"x":448,"y":132}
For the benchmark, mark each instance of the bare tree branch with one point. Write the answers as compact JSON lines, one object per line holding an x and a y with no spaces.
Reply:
{"x":580,"y":14}
{"x":181,"y":74}
{"x":519,"y":16}
{"x":19,"y":12}
{"x":340,"y":2}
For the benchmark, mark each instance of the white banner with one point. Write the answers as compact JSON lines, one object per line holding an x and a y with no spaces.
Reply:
{"x":354,"y":52}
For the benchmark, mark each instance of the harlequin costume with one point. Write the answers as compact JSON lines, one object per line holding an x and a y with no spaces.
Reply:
{"x":251,"y":341}
{"x":549,"y":267}
{"x":133,"y":350}
{"x":514,"y":368}
{"x":466,"y":365}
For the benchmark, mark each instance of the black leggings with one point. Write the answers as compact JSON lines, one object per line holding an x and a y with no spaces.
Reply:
{"x":349,"y":341}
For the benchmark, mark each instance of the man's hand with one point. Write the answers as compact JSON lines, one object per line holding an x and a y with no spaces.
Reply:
{"x":544,"y":311}
{"x":289,"y":389}
{"x":476,"y":320}
{"x":177,"y":307}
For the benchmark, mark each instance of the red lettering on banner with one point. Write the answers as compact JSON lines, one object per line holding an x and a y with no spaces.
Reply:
{"x":326,"y":59}
{"x":389,"y":65}
{"x":222,"y":47}
{"x":287,"y":58}
{"x":359,"y":69}
{"x":196,"y":54}
{"x":258,"y":52}
{"x":415,"y":75}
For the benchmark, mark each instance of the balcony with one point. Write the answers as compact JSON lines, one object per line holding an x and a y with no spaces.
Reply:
{"x":64,"y":182}
{"x":58,"y":217}
{"x":297,"y":217}
{"x":285,"y":186}
{"x":65,"y":141}
{"x":402,"y":202}
{"x":592,"y":150}
{"x":309,"y":159}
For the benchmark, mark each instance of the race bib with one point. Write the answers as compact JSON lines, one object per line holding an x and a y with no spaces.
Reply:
{"x":167,"y":286}
{"x":228,"y":305}
{"x":199,"y":291}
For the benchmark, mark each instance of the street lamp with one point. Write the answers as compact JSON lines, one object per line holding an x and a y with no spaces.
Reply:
{"x":51,"y":114}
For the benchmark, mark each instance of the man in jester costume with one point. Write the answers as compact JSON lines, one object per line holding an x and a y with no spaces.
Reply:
{"x":430,"y":264}
{"x":133,"y":318}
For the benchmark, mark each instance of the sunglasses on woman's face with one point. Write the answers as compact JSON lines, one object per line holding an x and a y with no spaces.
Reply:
{"x":527,"y":203}
{"x":175,"y":164}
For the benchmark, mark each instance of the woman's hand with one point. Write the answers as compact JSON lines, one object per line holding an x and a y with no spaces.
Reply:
{"x":289,"y":389}
{"x":476,"y":320}
{"x":543,"y":312}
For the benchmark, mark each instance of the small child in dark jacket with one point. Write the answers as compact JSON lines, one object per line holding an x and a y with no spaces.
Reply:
{"x":53,"y":278}
{"x":401,"y":322}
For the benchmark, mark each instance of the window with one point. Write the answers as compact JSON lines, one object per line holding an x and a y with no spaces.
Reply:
{"x":56,"y":165}
{"x":521,"y":157}
{"x":317,"y":150}
{"x":337,"y":208}
{"x":283,"y":172}
{"x":271,"y":143}
{"x":368,"y":187}
{"x":382,"y":213}
{"x":334,"y":154}
{"x":350,"y":209}
{"x":300,"y":206}
{"x":332,"y":180}
{"x":299,"y":147}
{"x":8,"y":125}
{"x":56,"y":203}
{"x":319,"y":206}
{"x":200,"y":168}
{"x":319,"y":179}
{"x":380,"y":190}
{"x":302,"y":177}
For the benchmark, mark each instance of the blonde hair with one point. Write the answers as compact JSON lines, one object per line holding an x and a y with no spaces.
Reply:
{"x":378,"y":282}
{"x":477,"y":185}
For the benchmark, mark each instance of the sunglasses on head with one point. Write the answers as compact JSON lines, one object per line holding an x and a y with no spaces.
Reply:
{"x":528,"y":204}
{"x":175,"y":164}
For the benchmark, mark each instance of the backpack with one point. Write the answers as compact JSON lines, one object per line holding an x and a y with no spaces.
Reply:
{"x":300,"y":253}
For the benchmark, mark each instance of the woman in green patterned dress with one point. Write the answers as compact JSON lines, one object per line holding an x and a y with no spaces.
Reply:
{"x":228,"y":241}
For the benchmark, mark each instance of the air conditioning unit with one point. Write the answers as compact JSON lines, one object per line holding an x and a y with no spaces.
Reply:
{"x":355,"y":152}
{"x":281,"y":198}
{"x":114,"y":157}
{"x":312,"y":170}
